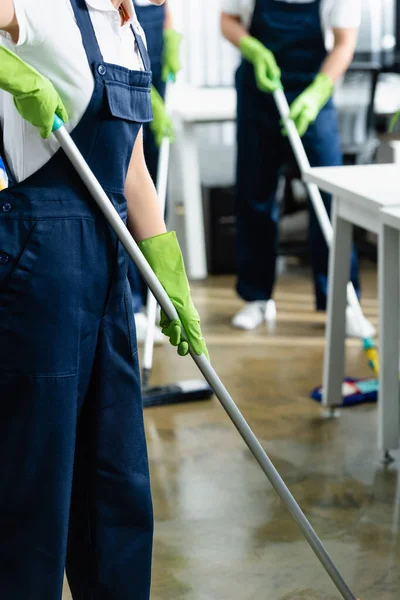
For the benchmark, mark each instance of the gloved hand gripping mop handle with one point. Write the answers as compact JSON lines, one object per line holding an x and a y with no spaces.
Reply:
{"x":314,"y":193}
{"x":205,"y":367}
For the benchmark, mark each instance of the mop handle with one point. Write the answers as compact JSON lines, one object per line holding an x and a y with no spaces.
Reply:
{"x":162,"y":188}
{"x":313,"y":191}
{"x":203,"y":364}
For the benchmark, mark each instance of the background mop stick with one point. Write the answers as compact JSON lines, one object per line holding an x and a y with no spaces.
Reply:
{"x":162,"y":188}
{"x":322,"y":216}
{"x":162,"y":184}
{"x":205,"y":367}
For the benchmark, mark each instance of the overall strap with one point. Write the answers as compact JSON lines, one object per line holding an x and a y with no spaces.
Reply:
{"x":142,"y":49}
{"x":85,"y":25}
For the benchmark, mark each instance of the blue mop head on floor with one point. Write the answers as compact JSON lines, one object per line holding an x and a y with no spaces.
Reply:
{"x":354,"y":392}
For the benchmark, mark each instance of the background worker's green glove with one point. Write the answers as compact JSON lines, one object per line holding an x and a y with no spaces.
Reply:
{"x":34,"y":95}
{"x":165,"y":258}
{"x":171,"y":59}
{"x":161,"y":126}
{"x":306,"y":108}
{"x":266,"y":70}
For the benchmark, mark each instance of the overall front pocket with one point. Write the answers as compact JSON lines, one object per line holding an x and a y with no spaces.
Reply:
{"x":39,"y":287}
{"x":20,"y":243}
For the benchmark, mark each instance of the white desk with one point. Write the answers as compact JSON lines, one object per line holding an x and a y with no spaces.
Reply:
{"x":389,"y":292}
{"x":360,"y":193}
{"x":191,"y":106}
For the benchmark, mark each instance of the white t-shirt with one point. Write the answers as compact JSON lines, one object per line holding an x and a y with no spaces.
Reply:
{"x":50,"y":41}
{"x":340,"y":14}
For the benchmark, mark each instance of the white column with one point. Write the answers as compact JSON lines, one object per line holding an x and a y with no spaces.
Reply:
{"x":196,"y":262}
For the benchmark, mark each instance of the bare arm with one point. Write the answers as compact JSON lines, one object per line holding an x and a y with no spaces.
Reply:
{"x":144,"y":216}
{"x":168,"y":23}
{"x":232,"y":28}
{"x":338,"y":61}
{"x":8,"y":19}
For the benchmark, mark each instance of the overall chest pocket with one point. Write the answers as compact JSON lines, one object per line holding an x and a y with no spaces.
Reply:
{"x":129,"y":102}
{"x":124,"y":109}
{"x":39,"y":287}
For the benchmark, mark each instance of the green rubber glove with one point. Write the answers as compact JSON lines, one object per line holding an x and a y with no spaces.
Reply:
{"x":34,"y":95}
{"x":165,"y":258}
{"x":161,"y":126}
{"x":171,"y":59}
{"x":266,"y":70}
{"x":306,"y":108}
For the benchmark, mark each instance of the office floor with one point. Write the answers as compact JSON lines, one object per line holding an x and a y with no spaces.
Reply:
{"x":221,"y":531}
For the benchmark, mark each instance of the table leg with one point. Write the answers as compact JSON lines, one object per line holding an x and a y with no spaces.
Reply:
{"x":389,"y":317}
{"x":196,"y":261}
{"x":339,"y":269}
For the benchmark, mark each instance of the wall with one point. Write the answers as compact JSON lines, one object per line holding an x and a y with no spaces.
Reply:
{"x":208,"y":59}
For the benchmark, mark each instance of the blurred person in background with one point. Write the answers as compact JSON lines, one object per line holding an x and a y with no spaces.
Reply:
{"x":284,"y":40}
{"x":163,"y":45}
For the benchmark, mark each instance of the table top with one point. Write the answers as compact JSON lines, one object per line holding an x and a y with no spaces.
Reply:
{"x":203,"y":104}
{"x":372,"y":186}
{"x":391,"y":216}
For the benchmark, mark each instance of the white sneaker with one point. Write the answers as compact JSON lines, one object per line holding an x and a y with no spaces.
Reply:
{"x":254,"y":314}
{"x":355,"y":329}
{"x":141,"y":330}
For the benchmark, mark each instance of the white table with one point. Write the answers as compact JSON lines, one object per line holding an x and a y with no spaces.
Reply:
{"x":191,"y":106}
{"x":389,"y":292}
{"x":360,"y":193}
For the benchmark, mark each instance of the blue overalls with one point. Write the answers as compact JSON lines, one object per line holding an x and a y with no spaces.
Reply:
{"x":152,"y":20}
{"x":75,"y":486}
{"x":293,"y":32}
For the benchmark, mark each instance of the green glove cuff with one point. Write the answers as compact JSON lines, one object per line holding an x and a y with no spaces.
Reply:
{"x":34,"y":95}
{"x":164,"y":255}
{"x":173,"y":40}
{"x":171,"y":60}
{"x":250,"y":47}
{"x":161,"y":126}
{"x":305,"y":109}
{"x":156,"y":99}
{"x":266,"y":70}
{"x":323,"y":86}
{"x":16,"y":76}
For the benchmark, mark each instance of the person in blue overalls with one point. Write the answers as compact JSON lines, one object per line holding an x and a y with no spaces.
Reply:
{"x":75,"y":487}
{"x":163,"y":45}
{"x":284,"y":39}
